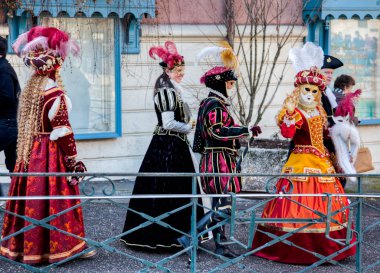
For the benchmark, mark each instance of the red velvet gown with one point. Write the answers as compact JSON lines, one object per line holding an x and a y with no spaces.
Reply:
{"x":308,"y":156}
{"x":40,"y":244}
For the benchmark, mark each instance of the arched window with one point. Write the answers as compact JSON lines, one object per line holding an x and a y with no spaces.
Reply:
{"x":130,"y":34}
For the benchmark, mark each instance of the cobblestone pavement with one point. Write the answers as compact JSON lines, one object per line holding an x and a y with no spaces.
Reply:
{"x":104,"y":220}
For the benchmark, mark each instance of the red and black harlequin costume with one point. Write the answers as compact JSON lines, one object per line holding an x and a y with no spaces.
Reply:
{"x":217,"y":135}
{"x":168,"y":152}
{"x":307,"y":126}
{"x":217,"y":140}
{"x":45,"y":144}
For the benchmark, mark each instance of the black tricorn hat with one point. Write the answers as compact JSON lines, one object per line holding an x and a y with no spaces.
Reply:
{"x":331,"y":62}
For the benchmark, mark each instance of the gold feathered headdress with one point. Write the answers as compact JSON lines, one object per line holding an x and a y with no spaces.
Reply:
{"x":221,"y":54}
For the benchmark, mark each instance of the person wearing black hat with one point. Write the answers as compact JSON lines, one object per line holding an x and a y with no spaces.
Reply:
{"x":330,"y":63}
{"x":216,"y":138}
{"x":329,"y":103}
{"x":9,"y":91}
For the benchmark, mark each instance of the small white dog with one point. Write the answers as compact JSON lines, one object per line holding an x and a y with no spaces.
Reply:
{"x":346,"y":140}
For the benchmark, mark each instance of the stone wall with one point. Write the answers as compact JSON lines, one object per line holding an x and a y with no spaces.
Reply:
{"x":261,"y":161}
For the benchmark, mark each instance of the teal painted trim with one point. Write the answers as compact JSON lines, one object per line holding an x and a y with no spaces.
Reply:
{"x":118,"y":118}
{"x":322,"y":9}
{"x":350,"y":9}
{"x":326,"y":36}
{"x":320,"y":33}
{"x":359,"y":213}
{"x":91,"y":191}
{"x":194,"y":201}
{"x":13,"y":24}
{"x":311,"y":32}
{"x":130,"y":45}
{"x":89,"y":7}
{"x":311,"y":10}
{"x":17,"y":25}
{"x":97,"y":135}
{"x":370,"y":122}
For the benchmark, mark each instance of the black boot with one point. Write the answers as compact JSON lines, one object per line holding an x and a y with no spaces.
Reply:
{"x":225,"y":251}
{"x":185,"y":240}
{"x":220,"y":249}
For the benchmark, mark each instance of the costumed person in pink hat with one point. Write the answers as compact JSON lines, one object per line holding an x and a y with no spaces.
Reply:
{"x":45,"y":145}
{"x":217,"y":140}
{"x":304,"y":120}
{"x":168,"y":152}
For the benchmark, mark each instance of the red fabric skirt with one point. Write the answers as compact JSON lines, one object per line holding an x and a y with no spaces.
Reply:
{"x":41,"y":244}
{"x":312,"y":238}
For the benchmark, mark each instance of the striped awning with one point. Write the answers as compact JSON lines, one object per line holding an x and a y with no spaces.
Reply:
{"x":88,"y":8}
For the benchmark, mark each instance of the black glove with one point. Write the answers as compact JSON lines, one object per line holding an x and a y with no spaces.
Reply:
{"x":255,"y":131}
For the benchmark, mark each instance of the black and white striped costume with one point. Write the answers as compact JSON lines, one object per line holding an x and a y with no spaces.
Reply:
{"x":167,"y":152}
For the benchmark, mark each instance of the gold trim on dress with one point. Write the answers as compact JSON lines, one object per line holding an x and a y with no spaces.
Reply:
{"x":306,"y":230}
{"x":43,"y":256}
{"x":162,"y":132}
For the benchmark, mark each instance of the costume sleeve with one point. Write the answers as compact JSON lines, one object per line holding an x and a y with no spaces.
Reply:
{"x":62,"y":132}
{"x":331,"y":97}
{"x":166,"y":101}
{"x":218,"y":127}
{"x":289,"y":123}
{"x":169,"y":123}
{"x":7,"y":89}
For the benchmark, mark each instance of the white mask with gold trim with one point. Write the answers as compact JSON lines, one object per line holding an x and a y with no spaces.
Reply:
{"x":309,"y":95}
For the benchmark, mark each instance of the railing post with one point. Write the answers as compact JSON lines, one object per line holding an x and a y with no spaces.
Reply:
{"x":359,"y":215}
{"x":194,"y":235}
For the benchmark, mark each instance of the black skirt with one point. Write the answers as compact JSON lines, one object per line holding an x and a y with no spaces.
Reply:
{"x":165,"y":154}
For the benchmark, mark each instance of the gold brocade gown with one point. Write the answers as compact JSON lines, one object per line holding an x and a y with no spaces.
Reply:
{"x":308,"y":156}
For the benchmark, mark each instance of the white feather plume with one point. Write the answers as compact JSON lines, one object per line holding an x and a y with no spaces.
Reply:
{"x":74,"y":47}
{"x":210,"y":52}
{"x":306,"y":57}
{"x":20,"y":42}
{"x":36,"y":44}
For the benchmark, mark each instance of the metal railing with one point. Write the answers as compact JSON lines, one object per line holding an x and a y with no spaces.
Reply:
{"x":241,"y":223}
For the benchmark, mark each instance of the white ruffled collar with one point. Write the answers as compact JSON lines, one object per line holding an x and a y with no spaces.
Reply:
{"x":50,"y":84}
{"x":178,"y":88}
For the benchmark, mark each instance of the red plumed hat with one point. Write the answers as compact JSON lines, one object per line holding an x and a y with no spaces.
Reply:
{"x":168,"y":54}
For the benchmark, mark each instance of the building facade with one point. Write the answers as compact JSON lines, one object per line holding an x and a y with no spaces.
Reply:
{"x":111,"y":84}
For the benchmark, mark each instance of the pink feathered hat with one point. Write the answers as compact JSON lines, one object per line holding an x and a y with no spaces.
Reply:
{"x":51,"y":39}
{"x":45,"y":48}
{"x":168,"y":54}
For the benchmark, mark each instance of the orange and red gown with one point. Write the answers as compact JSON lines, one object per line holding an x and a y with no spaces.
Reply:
{"x":308,"y":156}
{"x":41,"y":244}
